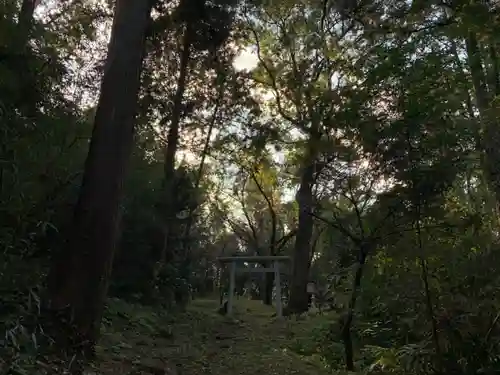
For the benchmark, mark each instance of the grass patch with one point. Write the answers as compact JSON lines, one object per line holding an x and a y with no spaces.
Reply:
{"x":141,"y":340}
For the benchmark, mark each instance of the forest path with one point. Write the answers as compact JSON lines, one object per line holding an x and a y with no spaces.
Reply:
{"x":136,"y":340}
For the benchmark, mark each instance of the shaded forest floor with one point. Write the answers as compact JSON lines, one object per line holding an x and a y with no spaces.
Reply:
{"x":138,"y":340}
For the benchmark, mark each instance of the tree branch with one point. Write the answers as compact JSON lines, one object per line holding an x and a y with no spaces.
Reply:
{"x":274,"y":84}
{"x":274,"y":220}
{"x":356,"y":240}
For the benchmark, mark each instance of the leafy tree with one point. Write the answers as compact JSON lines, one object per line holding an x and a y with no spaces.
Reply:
{"x":205,"y":28}
{"x":295,"y":65}
{"x":366,"y":131}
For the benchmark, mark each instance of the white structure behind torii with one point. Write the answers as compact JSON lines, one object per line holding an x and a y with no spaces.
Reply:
{"x":275,"y":260}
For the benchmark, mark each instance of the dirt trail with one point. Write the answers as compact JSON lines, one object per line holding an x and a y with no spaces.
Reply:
{"x":201,"y":341}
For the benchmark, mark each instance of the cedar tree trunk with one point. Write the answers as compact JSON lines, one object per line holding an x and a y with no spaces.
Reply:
{"x":78,"y":281}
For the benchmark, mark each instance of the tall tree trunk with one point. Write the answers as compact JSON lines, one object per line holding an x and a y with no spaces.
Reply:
{"x":415,"y":162}
{"x":268,"y":288}
{"x":314,"y":245}
{"x":494,"y":69}
{"x":351,"y":309}
{"x":490,"y":139}
{"x":26,"y":18}
{"x":477,"y":87}
{"x":298,"y":289}
{"x":199,"y":175}
{"x":171,"y":151}
{"x":78,"y":280}
{"x":267,"y":295}
{"x":427,"y":290}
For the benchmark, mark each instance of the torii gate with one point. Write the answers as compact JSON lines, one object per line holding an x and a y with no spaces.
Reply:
{"x":276,"y":261}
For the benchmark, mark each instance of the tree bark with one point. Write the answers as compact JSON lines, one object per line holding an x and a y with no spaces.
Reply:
{"x":349,"y":316}
{"x":78,"y":280}
{"x":199,"y":174}
{"x":490,"y":137}
{"x":267,"y":295}
{"x":427,"y":290}
{"x":298,"y":289}
{"x":268,"y":288}
{"x":171,"y":151}
{"x":26,"y":17}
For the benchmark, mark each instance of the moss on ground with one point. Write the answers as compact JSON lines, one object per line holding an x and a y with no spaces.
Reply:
{"x":139,"y":340}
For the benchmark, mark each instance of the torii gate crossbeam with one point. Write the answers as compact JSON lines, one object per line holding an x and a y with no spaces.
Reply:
{"x":275,"y":260}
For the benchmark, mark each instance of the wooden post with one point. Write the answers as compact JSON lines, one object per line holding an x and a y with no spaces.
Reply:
{"x":276,"y":263}
{"x":232,"y":276}
{"x":219,"y":280}
{"x":277,"y":283}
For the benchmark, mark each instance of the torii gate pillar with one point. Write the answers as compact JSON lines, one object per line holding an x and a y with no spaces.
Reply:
{"x":275,"y":260}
